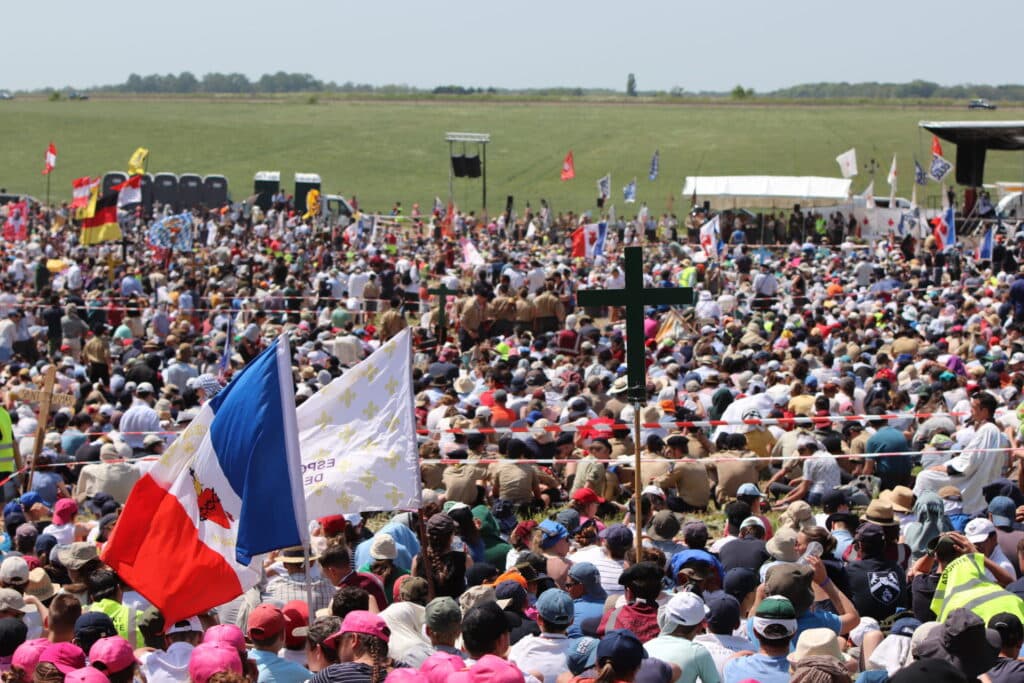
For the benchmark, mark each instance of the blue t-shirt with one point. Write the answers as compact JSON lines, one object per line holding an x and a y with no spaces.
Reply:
{"x":760,"y":667}
{"x":890,"y":440}
{"x":584,"y":609}
{"x":274,"y":669}
{"x":807,"y":620}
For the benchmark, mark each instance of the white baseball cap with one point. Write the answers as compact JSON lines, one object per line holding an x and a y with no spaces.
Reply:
{"x":686,"y":608}
{"x":978,"y":530}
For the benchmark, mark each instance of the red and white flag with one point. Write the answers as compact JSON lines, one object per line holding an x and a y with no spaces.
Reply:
{"x":80,"y":188}
{"x":936,"y":146}
{"x":50,"y":162}
{"x":568,"y":167}
{"x":129,"y":192}
{"x":16,"y":225}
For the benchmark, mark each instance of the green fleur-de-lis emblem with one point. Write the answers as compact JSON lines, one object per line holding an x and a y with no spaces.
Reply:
{"x":393,"y":423}
{"x":392,"y":385}
{"x":319,"y":489}
{"x":347,"y":397}
{"x":343,"y":465}
{"x":389,"y":348}
{"x":395,"y":496}
{"x":346,"y":432}
{"x":324,"y":419}
{"x":368,"y":479}
{"x":344,"y":500}
{"x":392,"y":458}
{"x":370,"y":410}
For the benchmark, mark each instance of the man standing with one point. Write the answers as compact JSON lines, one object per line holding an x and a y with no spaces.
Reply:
{"x":292,"y":586}
{"x":140,"y":419}
{"x":978,"y":465}
{"x":336,"y":565}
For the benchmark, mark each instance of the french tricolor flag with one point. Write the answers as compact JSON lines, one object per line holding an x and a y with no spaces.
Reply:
{"x":944,"y":229}
{"x":227,"y":489}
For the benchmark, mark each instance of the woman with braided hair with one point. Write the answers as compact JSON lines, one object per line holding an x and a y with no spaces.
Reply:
{"x":362,"y":646}
{"x":447,"y":566}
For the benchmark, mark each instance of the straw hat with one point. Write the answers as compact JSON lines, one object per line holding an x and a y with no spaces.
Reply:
{"x":816,"y":641}
{"x":880,"y":512}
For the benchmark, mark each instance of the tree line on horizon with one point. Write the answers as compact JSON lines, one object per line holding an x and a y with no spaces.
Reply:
{"x":282,"y":82}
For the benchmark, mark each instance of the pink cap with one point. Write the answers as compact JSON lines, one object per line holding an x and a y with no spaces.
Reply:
{"x":440,"y":665}
{"x":27,"y":656}
{"x":86,"y":674}
{"x":227,"y":634}
{"x":210,"y":658}
{"x":111,"y":654}
{"x":64,"y":511}
{"x":360,"y":621}
{"x":65,"y":656}
{"x":491,"y":669}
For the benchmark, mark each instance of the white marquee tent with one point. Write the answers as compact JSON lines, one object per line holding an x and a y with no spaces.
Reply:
{"x":766,"y":191}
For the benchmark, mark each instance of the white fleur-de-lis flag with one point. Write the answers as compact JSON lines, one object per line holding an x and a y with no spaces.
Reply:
{"x":357,"y":436}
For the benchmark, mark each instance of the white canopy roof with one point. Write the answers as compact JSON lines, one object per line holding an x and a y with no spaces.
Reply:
{"x":756,"y":191}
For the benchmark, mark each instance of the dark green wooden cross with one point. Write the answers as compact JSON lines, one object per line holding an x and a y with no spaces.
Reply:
{"x":634,"y":297}
{"x":442,"y":316}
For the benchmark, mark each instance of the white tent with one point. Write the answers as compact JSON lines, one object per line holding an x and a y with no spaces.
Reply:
{"x":766,"y":191}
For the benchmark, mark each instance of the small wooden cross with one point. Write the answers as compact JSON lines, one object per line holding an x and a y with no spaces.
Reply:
{"x":45,"y":397}
{"x":442,"y":316}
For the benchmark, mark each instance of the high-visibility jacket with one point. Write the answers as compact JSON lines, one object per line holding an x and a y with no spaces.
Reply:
{"x":963,"y":584}
{"x":6,"y":442}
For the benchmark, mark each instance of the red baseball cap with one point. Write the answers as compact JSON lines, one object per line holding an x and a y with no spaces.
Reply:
{"x":296,"y":621}
{"x":266,"y":622}
{"x":586,"y":496}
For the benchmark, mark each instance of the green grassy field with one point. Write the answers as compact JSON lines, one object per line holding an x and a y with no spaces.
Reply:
{"x":385,"y":151}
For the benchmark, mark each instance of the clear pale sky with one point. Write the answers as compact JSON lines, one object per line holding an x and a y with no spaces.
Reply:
{"x":702,"y":45}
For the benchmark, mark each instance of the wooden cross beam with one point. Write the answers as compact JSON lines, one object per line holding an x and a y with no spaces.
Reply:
{"x":45,"y":397}
{"x":442,"y":315}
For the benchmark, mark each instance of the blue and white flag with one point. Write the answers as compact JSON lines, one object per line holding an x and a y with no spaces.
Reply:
{"x":172,"y":232}
{"x":629,"y":192}
{"x":604,"y":186}
{"x":939,"y":169}
{"x":655,"y":164}
{"x":919,"y":175}
{"x":984,"y":252}
{"x":944,"y":229}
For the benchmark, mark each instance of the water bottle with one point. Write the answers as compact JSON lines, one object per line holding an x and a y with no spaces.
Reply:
{"x":814,"y":549}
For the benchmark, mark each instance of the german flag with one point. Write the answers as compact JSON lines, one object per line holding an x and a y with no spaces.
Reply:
{"x":102,"y":226}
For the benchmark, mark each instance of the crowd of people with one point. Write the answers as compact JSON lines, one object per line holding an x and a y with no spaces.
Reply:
{"x":830,"y":479}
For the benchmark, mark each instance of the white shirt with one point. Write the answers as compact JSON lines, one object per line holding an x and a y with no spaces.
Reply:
{"x":609,"y":569}
{"x":722,"y":648}
{"x":543,"y":654}
{"x":139,"y":418}
{"x":998,"y":557}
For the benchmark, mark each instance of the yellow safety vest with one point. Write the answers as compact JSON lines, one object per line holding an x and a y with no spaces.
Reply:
{"x":963,"y":584}
{"x":6,"y":442}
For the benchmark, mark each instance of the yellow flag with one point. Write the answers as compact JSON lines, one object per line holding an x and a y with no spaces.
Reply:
{"x":312,"y":204}
{"x":137,"y":162}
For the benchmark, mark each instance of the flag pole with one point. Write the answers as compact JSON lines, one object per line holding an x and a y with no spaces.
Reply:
{"x":637,"y":482}
{"x":309,"y":584}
